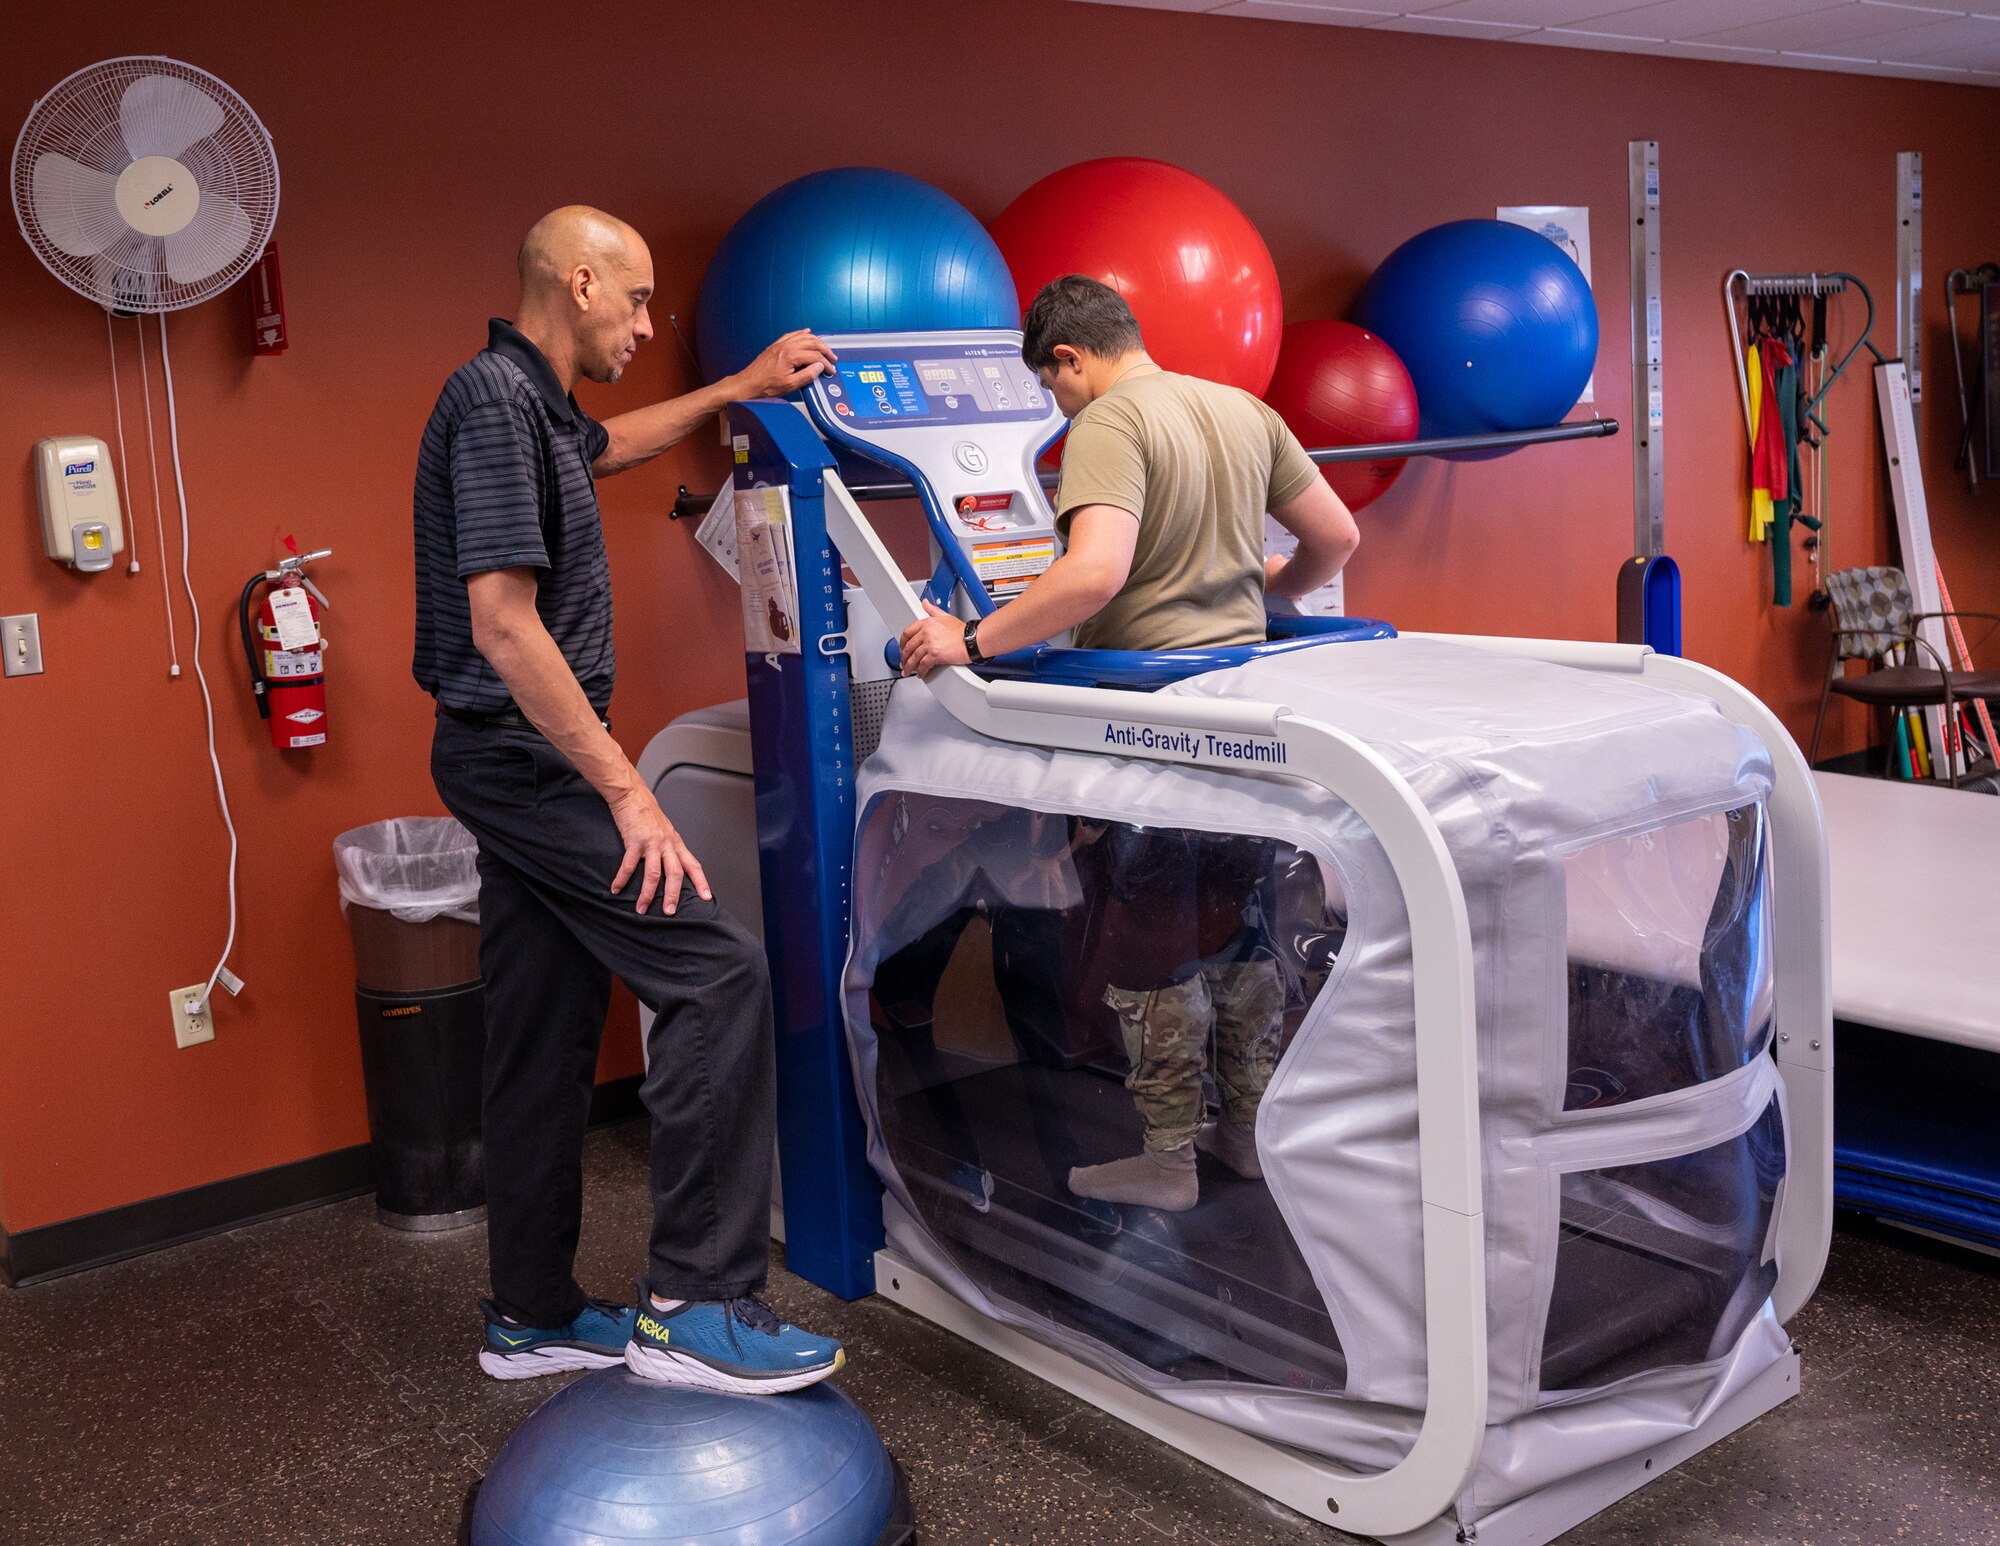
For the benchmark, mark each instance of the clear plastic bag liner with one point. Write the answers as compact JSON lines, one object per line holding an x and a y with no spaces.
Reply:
{"x":414,"y":868}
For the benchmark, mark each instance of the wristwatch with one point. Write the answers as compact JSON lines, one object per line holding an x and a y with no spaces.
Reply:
{"x":972,"y":655}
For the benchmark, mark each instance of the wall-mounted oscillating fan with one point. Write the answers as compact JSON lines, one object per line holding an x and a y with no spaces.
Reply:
{"x":145,"y":184}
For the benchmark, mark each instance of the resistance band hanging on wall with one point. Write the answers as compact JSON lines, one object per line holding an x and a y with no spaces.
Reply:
{"x":1784,"y":376}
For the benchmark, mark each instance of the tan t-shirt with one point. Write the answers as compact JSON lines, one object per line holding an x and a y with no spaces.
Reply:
{"x":1199,"y":464}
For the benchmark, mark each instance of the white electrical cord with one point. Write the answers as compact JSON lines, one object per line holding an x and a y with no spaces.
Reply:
{"x":124,"y":464}
{"x":207,"y":703}
{"x":159,"y":510}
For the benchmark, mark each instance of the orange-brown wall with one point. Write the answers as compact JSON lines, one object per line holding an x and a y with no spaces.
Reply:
{"x":418,"y":142}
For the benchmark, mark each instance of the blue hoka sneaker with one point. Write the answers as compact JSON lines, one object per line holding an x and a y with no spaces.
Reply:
{"x":735,"y":1345}
{"x":595,"y":1339}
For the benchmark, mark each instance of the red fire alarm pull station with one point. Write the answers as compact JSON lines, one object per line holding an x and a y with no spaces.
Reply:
{"x":267,"y":302}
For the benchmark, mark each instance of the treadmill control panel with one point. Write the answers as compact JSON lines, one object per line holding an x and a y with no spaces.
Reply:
{"x":972,"y":385}
{"x":964,"y":417}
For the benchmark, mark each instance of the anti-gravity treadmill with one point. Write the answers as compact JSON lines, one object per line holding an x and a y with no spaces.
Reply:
{"x":1545,"y":1138}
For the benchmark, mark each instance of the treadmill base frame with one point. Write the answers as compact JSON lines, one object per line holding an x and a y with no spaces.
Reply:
{"x":1310,"y":1486}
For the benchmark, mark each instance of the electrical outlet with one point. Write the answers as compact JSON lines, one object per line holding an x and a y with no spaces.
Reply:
{"x":191,"y":1026}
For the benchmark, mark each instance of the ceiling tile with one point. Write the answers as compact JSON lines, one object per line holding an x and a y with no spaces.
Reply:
{"x":1927,"y":72}
{"x":1722,"y":53}
{"x":1905,"y":39}
{"x":1304,"y":10}
{"x":1363,"y":8}
{"x":1449,"y":27}
{"x":1712,"y":55}
{"x":1938,"y":42}
{"x":1840,"y":63}
{"x":1972,"y":59}
{"x":1603,"y":42}
{"x":1832,"y":29}
{"x":1691,"y":18}
{"x":1527,"y":13}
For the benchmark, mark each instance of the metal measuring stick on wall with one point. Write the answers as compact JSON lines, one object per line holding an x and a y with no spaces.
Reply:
{"x":1910,"y":270}
{"x":1649,"y":583}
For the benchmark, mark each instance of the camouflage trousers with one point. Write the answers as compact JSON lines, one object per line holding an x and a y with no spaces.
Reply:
{"x":1166,"y":1040}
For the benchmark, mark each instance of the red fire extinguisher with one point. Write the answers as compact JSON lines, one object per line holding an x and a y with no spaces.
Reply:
{"x":284,"y":646}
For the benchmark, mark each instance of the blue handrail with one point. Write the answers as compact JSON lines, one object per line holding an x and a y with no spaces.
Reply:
{"x":1148,"y":670}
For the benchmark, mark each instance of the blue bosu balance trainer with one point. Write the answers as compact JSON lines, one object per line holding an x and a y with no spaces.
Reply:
{"x":613,"y":1457}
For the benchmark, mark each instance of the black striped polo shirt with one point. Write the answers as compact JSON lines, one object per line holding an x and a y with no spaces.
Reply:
{"x":503,"y":482}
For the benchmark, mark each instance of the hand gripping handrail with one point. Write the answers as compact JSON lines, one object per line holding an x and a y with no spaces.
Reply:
{"x":1423,"y":1484}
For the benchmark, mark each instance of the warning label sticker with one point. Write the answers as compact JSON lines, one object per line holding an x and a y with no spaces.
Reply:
{"x":1005,"y":568}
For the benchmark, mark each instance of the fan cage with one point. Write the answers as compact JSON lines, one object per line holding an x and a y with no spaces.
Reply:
{"x":79,"y":118}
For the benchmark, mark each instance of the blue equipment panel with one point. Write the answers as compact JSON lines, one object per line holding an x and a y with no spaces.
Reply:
{"x":1913,"y":1132}
{"x":801,"y":728}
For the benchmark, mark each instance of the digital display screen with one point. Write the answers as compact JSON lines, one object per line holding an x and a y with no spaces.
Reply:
{"x":982,"y":382}
{"x":882,"y":389}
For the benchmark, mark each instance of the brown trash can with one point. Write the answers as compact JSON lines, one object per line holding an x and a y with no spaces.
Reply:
{"x":418,"y":999}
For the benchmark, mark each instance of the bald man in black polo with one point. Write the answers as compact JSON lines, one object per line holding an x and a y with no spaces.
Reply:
{"x":582,"y":878}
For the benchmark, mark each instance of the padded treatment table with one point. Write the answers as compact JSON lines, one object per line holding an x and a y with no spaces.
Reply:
{"x":1916,"y":989}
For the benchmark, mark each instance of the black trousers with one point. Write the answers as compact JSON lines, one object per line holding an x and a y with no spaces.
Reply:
{"x":552,"y":936}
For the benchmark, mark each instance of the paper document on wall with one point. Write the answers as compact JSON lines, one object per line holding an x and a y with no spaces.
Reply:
{"x":1568,"y":226}
{"x":717,"y":531}
{"x":767,"y":570}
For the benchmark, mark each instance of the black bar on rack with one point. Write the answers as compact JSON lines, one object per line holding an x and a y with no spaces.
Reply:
{"x":1794,"y":284}
{"x":688,"y":505}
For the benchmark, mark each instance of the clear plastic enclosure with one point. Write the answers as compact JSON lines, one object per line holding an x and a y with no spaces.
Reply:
{"x":1049,"y":992}
{"x":1669,"y":958}
{"x":1663,"y":1263}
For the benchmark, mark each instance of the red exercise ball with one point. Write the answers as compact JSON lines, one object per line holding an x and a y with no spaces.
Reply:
{"x":1339,"y":385}
{"x":1189,"y":263}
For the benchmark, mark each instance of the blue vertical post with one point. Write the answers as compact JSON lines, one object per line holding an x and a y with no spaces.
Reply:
{"x":803,"y":747}
{"x":1649,"y":603}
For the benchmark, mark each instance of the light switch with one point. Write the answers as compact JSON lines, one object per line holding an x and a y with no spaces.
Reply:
{"x":21,"y":644}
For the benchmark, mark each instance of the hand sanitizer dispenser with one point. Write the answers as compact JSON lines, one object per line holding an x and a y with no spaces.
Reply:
{"x":81,"y":522}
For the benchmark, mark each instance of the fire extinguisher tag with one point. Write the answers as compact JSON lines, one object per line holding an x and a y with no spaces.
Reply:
{"x":291,"y":615}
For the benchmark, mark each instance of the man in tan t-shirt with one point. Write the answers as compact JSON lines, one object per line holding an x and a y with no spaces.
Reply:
{"x":1166,"y":481}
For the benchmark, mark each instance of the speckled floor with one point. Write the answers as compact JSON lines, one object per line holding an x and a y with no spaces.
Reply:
{"x":312,"y":1380}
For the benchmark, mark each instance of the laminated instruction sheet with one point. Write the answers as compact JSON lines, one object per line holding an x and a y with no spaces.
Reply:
{"x":768,"y":571}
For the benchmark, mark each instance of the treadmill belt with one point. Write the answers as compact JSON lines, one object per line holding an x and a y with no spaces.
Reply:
{"x":1218,"y":1292}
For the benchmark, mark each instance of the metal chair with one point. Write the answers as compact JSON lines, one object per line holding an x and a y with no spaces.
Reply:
{"x":1875,"y":619}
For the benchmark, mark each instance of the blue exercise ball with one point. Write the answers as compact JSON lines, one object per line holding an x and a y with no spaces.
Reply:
{"x":1495,"y":323}
{"x":852,"y":250}
{"x":614,"y":1457}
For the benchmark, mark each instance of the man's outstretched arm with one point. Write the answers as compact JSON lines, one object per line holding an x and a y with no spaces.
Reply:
{"x":1072,"y":590}
{"x":644,"y":433}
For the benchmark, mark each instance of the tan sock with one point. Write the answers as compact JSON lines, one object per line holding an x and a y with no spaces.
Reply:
{"x":1154,"y":1178}
{"x":1235,"y":1144}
